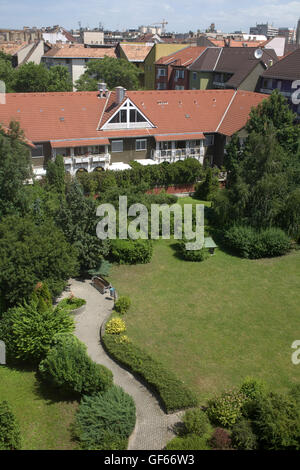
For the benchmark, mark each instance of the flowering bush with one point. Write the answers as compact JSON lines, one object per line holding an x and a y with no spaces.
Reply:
{"x":122,"y":304}
{"x":226,"y":409}
{"x":123,"y":339}
{"x":115,"y":326}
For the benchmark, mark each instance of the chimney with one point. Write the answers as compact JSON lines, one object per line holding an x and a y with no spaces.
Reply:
{"x":102,"y":89}
{"x":120,"y":94}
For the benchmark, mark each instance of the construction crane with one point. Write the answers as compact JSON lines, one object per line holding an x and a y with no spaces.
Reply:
{"x":162,"y":23}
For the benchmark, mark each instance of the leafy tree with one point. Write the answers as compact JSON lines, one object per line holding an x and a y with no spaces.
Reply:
{"x":9,"y":429}
{"x":55,"y":175}
{"x":207,"y":188}
{"x":31,"y":253}
{"x":114,"y":72}
{"x":68,"y":367}
{"x":59,"y":79}
{"x":29,"y":332}
{"x":232,"y":160}
{"x":77,"y":219}
{"x":275,"y":111}
{"x":15,"y":168}
{"x":7,"y":72}
{"x":31,"y":77}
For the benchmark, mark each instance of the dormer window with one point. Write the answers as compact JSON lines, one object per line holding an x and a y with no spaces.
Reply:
{"x":127,"y":117}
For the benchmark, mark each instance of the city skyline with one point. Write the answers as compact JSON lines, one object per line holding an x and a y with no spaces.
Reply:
{"x":182,"y":16}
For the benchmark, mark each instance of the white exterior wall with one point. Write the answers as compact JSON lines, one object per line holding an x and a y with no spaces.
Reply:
{"x":37,"y":54}
{"x":78,"y":68}
{"x":93,"y":37}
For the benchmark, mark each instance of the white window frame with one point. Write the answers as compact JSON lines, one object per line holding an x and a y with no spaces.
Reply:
{"x":139,"y":142}
{"x":161,"y":72}
{"x":178,"y":74}
{"x":114,"y":142}
{"x":127,"y":106}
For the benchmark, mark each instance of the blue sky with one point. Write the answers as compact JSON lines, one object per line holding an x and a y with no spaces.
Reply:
{"x":182,"y":15}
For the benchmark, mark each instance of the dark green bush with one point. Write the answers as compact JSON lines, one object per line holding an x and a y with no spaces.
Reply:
{"x":131,"y":251}
{"x":173,"y":393}
{"x":9,"y":429}
{"x":122,"y":305}
{"x":190,"y":442}
{"x":105,"y":421}
{"x":192,"y":255}
{"x":207,"y":189}
{"x":69,"y":368}
{"x":226,"y":409}
{"x":29,"y":333}
{"x":196,"y":422}
{"x":250,"y":243}
{"x":276,"y":422}
{"x":242,"y":436}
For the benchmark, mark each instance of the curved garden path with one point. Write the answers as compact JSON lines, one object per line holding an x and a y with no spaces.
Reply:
{"x":153,"y":427}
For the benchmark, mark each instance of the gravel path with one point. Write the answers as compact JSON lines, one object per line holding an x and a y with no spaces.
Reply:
{"x":153,"y":427}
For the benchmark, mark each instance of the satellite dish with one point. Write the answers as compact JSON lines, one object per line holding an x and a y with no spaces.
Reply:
{"x":258,"y":53}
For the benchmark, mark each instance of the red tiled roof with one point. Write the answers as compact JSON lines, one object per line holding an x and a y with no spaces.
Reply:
{"x":136,"y":52}
{"x":12,"y":47}
{"x":186,"y":136}
{"x":79,"y":51}
{"x":77,"y":116}
{"x":234,"y":43}
{"x":184,"y":57}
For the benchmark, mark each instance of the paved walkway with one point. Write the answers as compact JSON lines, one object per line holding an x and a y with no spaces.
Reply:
{"x":153,"y":427}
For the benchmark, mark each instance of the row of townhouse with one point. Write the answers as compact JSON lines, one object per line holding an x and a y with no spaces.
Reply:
{"x":108,"y":129}
{"x":242,"y":68}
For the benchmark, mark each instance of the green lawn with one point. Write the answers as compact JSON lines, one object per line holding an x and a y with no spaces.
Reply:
{"x":44,"y":421}
{"x":213,"y":323}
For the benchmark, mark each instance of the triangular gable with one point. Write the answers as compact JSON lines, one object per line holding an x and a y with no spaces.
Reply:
{"x":127,"y":116}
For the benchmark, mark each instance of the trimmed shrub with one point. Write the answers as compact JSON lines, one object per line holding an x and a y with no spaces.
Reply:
{"x":29,"y":333}
{"x":190,"y":442}
{"x":242,"y":436}
{"x":115,"y":326}
{"x":71,"y":303}
{"x":276,"y":422}
{"x":105,"y":421}
{"x":69,"y":368}
{"x":226,"y":409}
{"x":9,"y":429}
{"x":220,"y":439}
{"x":173,"y":393}
{"x":249,"y":243}
{"x":131,"y":251}
{"x":122,"y":305}
{"x":192,"y":255}
{"x":196,"y":422}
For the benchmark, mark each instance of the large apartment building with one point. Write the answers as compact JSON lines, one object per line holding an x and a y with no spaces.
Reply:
{"x":106,"y":130}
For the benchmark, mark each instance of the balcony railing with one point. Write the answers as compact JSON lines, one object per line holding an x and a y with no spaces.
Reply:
{"x":173,"y":155}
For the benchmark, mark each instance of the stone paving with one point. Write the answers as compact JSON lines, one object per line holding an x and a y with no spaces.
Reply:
{"x":154,"y":428}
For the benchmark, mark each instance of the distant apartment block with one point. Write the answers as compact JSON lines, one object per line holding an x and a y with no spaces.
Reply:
{"x":266,"y":29}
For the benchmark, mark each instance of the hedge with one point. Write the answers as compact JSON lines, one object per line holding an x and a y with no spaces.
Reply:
{"x":173,"y":393}
{"x":247,"y":242}
{"x":131,"y":251}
